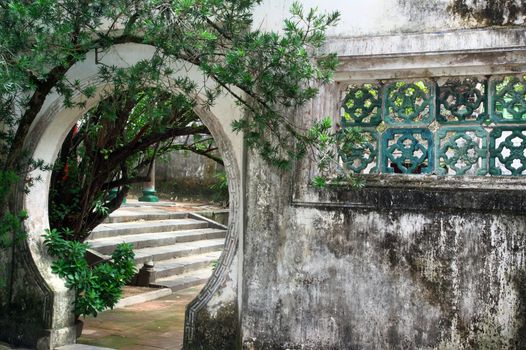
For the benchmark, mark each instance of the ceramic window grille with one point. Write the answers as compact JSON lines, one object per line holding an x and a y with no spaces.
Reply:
{"x":447,"y":126}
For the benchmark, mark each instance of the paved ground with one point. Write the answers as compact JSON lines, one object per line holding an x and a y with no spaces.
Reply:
{"x":154,"y":325}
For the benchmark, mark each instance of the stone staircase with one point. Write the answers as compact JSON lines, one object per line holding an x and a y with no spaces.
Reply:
{"x":182,"y":246}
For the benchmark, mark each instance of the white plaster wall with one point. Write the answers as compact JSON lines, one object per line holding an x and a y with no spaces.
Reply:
{"x":368,"y":17}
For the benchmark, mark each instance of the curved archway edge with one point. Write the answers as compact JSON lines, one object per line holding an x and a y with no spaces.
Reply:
{"x":44,"y":141}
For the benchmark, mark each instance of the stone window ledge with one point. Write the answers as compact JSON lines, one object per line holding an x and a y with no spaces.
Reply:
{"x":422,"y":193}
{"x":451,"y":182}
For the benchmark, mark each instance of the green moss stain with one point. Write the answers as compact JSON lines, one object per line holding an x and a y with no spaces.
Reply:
{"x":216,"y":333}
{"x":489,"y":12}
{"x":21,"y":323}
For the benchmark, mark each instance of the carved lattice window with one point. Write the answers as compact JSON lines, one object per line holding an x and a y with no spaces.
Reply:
{"x":448,"y":126}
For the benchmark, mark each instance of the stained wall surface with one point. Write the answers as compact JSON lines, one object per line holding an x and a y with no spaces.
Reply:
{"x":384,"y":17}
{"x":387,"y":267}
{"x":410,"y":261}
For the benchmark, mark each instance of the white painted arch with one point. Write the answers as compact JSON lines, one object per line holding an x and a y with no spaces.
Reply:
{"x":45,"y":139}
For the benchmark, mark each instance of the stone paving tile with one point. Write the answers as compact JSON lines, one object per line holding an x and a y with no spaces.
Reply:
{"x":154,"y":325}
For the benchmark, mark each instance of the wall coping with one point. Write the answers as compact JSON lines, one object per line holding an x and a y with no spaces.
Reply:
{"x":459,"y":40}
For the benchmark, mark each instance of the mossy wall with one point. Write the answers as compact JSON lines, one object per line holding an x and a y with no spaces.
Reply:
{"x":218,"y":331}
{"x":25,"y":319}
{"x":186,"y":172}
{"x":490,"y":12}
{"x":386,"y":267}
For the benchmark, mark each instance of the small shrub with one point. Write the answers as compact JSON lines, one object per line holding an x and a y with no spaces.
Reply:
{"x":96,"y":287}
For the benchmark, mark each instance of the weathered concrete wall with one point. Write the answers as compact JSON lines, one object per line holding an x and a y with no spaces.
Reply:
{"x":409,"y":262}
{"x":383,"y":268}
{"x":188,"y":175}
{"x":386,"y":17}
{"x":187,"y":168}
{"x":217,"y":325}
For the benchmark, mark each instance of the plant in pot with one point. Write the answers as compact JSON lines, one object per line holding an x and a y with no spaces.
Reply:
{"x":97,"y":287}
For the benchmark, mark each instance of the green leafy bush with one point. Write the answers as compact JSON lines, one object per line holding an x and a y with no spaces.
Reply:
{"x":96,"y":287}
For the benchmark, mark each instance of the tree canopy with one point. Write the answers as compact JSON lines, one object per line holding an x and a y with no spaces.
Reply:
{"x":268,"y":73}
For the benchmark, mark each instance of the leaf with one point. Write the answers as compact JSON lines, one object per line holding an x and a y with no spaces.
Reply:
{"x":319,"y":182}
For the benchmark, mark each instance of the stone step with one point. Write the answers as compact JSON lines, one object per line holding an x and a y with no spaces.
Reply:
{"x":186,"y":280}
{"x":138,"y":227}
{"x":156,"y":239}
{"x":184,"y":265}
{"x":143,"y":297}
{"x":81,"y":347}
{"x":136,"y":214}
{"x":178,"y":250}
